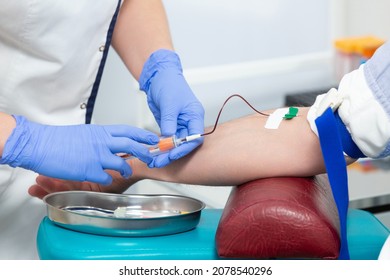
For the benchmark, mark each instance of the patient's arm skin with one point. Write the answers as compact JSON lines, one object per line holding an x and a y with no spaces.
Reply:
{"x":238,"y":151}
{"x":7,"y":124}
{"x":242,"y":150}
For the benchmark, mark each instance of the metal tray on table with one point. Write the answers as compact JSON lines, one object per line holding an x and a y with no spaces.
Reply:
{"x":123,"y":214}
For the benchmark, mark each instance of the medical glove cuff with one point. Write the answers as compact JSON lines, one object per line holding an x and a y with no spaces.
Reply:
{"x":158,"y":61}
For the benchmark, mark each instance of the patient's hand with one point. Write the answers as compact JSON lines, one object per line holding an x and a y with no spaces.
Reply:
{"x":45,"y":185}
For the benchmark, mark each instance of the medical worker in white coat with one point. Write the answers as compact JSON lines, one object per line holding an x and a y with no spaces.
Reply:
{"x":52,"y":57}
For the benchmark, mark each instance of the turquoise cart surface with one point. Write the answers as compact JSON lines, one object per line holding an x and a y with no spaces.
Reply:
{"x":366,"y":235}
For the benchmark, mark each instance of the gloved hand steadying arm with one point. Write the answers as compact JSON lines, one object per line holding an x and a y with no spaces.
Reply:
{"x":75,"y":152}
{"x":173,"y":104}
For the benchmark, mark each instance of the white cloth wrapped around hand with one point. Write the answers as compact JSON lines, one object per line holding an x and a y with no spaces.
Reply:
{"x":360,"y":111}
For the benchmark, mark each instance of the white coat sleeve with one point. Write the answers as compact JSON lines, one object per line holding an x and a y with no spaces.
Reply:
{"x":364,"y":107}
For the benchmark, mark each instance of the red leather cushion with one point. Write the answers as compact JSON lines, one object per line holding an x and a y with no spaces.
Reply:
{"x":280,"y":218}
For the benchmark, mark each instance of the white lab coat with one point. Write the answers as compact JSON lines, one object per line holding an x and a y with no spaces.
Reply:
{"x":51,"y":55}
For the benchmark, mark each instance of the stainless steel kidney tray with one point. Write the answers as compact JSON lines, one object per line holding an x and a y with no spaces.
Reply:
{"x":123,"y":214}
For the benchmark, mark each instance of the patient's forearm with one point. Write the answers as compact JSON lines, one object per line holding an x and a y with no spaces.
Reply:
{"x":7,"y":124}
{"x":242,"y":150}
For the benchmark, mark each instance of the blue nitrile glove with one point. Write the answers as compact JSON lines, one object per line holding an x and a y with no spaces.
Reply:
{"x":75,"y":152}
{"x":172,"y":102}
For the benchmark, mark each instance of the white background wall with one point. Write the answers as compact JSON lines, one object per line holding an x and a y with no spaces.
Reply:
{"x":262,"y":49}
{"x":365,"y":17}
{"x":234,"y":46}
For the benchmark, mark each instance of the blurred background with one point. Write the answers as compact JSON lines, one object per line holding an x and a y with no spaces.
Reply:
{"x":272,"y":52}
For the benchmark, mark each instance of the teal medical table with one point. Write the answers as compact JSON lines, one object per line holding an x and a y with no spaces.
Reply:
{"x":366,"y":235}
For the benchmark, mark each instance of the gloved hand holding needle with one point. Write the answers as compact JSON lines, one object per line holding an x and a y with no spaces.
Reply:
{"x":75,"y":152}
{"x":173,"y":104}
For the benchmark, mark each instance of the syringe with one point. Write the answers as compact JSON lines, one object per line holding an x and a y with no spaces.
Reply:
{"x":165,"y":145}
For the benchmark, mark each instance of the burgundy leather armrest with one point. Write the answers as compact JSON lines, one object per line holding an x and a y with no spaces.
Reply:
{"x":280,"y":218}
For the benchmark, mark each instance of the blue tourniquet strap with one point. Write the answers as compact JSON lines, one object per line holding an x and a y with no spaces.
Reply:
{"x":337,"y":171}
{"x":349,"y":146}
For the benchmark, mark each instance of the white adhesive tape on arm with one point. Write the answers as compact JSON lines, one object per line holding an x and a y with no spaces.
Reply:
{"x":276,"y":118}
